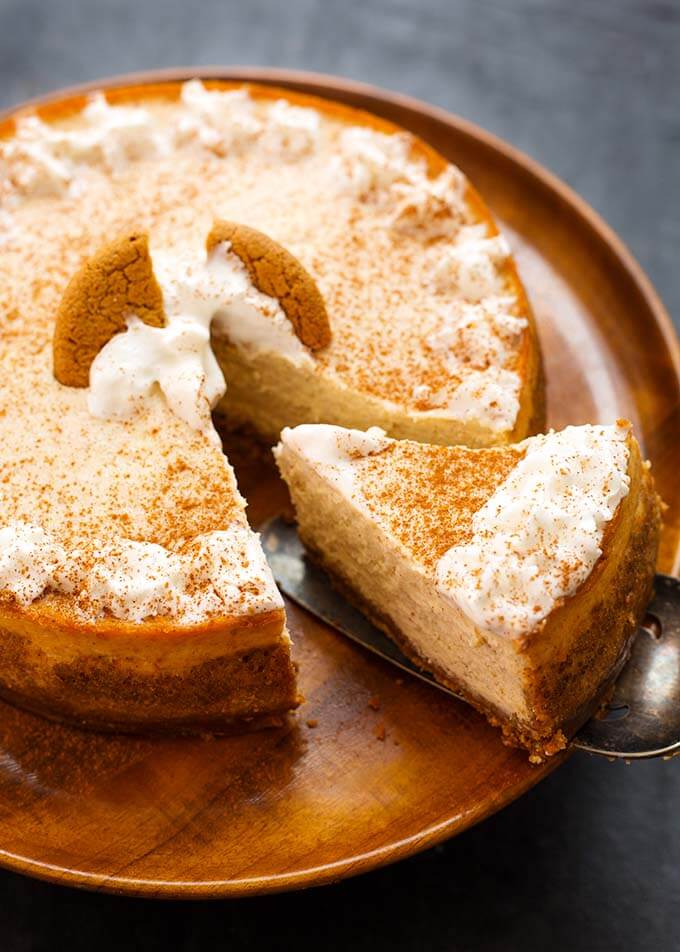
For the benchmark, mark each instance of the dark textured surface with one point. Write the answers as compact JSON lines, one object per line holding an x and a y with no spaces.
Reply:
{"x":591,"y":858}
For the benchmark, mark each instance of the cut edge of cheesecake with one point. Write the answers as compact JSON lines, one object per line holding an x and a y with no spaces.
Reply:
{"x":539,"y":688}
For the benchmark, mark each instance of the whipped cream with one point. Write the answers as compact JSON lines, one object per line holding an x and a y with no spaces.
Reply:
{"x":333,"y":449}
{"x":478,"y":335}
{"x":199,"y":291}
{"x":219,"y":120}
{"x":290,"y":131}
{"x":430,"y":208}
{"x":44,"y":160}
{"x":372,"y":162}
{"x":221,"y":572}
{"x":470,"y":268}
{"x":478,"y":344}
{"x":537,"y":539}
{"x":489,"y":397}
{"x":378,"y":167}
{"x":30,"y":562}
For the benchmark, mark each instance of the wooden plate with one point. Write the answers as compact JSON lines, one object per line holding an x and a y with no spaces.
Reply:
{"x":372,"y":769}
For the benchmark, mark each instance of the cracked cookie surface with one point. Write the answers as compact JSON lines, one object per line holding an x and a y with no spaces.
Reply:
{"x":276,"y":272}
{"x":114,"y":283}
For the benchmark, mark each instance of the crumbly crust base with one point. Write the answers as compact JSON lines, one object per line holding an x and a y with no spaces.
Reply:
{"x":192,"y":727}
{"x":189,"y":689}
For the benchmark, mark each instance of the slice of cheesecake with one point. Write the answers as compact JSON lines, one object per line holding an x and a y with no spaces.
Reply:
{"x":516,"y":575}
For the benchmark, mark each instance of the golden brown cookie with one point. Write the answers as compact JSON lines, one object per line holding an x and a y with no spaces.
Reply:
{"x":277,"y":273}
{"x":114,"y":283}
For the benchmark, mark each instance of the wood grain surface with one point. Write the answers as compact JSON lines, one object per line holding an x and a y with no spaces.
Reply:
{"x":373,"y":767}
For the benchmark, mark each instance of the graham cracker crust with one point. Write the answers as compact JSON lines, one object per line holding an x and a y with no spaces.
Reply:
{"x":246,"y":690}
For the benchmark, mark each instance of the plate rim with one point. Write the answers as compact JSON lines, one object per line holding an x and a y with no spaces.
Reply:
{"x":336,"y":87}
{"x":314,"y":876}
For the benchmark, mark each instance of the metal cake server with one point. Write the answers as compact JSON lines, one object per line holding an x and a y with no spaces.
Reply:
{"x":641,"y":720}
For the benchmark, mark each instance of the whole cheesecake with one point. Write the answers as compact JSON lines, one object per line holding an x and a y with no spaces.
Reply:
{"x":516,"y":575}
{"x":173,"y":252}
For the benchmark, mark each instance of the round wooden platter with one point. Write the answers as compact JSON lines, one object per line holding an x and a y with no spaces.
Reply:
{"x":374,"y":766}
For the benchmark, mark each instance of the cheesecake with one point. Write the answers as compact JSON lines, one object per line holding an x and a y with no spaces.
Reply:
{"x":515,"y":575}
{"x":178,"y":255}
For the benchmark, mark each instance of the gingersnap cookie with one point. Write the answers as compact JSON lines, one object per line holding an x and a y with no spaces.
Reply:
{"x":279,"y":274}
{"x":113,"y":284}
{"x":128,"y":319}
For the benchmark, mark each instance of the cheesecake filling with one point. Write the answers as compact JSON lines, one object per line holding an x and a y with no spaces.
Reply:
{"x":199,"y":293}
{"x":538,"y":537}
{"x":218,"y":573}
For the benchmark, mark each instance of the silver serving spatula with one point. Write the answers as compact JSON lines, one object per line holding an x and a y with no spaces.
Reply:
{"x":643,"y":716}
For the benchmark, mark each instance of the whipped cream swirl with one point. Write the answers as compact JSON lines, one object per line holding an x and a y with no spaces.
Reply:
{"x":538,"y":537}
{"x":218,"y":573}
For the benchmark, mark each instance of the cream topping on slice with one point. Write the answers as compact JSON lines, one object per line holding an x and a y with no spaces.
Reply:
{"x":199,"y":291}
{"x":219,"y":573}
{"x":538,"y":537}
{"x":332,"y":449}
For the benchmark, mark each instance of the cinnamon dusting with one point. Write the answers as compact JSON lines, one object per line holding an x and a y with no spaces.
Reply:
{"x":427,"y":495}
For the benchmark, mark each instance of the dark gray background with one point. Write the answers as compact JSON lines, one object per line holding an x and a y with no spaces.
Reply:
{"x":591,"y":858}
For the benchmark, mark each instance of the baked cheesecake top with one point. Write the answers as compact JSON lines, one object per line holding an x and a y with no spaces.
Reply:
{"x":424,"y":307}
{"x":115,"y":496}
{"x":132,"y":517}
{"x":503,"y":533}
